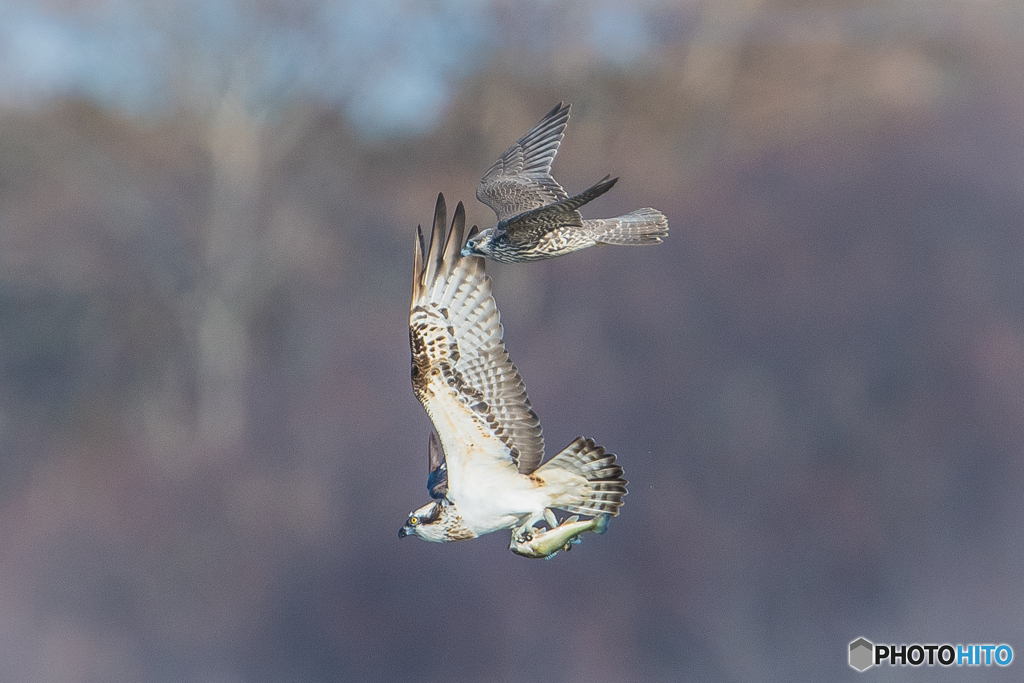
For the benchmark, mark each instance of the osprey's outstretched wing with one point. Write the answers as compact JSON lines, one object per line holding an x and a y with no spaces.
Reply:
{"x":461,"y":372}
{"x":521,"y":179}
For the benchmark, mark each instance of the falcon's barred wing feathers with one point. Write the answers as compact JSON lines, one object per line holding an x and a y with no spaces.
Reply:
{"x":532,"y":225}
{"x":460,"y":367}
{"x":521,"y":179}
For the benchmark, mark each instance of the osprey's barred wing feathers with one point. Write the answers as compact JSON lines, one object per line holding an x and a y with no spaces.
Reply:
{"x":521,"y":179}
{"x":457,"y":349}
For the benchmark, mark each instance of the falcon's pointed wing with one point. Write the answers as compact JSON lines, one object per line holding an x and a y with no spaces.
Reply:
{"x":532,"y":225}
{"x":521,"y":179}
{"x":461,"y":372}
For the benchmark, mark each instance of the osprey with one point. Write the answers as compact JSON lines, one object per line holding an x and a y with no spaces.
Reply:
{"x":536,"y":218}
{"x":485,"y":470}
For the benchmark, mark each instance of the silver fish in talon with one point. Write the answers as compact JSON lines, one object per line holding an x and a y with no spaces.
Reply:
{"x":546,"y":543}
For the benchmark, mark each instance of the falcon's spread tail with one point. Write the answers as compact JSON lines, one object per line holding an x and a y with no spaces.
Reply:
{"x":643,"y":226}
{"x":605,"y":486}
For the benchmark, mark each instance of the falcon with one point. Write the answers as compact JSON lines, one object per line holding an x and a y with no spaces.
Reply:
{"x":537,"y":220}
{"x":485,"y":470}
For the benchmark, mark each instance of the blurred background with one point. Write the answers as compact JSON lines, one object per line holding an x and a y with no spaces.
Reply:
{"x":208,"y":438}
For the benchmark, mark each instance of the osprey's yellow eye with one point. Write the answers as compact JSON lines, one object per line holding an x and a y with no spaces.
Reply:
{"x":414,"y":520}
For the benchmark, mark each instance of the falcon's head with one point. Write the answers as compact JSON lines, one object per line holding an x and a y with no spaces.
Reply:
{"x":437,"y":521}
{"x":485,"y":243}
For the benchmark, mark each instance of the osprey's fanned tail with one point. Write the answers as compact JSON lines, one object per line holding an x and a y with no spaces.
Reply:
{"x":605,"y":486}
{"x":643,"y":226}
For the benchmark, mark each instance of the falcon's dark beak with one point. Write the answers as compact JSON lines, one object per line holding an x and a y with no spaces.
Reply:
{"x":405,"y":531}
{"x":473,"y":241}
{"x":470,"y":248}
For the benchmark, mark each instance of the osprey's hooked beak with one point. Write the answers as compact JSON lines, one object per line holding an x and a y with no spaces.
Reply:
{"x":405,"y":531}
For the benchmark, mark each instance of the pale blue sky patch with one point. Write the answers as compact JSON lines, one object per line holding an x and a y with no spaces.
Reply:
{"x":621,"y":36}
{"x":390,"y":65}
{"x":39,"y":56}
{"x":404,"y":101}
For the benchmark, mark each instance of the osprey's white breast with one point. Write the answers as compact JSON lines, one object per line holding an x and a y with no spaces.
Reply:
{"x":483,"y":482}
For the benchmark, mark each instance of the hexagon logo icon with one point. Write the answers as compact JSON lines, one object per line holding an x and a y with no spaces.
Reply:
{"x":862,"y":653}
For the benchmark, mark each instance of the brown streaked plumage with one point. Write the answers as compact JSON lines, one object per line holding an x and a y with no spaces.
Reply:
{"x":536,"y":218}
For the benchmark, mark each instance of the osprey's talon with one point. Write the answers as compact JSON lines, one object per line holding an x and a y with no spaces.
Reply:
{"x":523,"y":534}
{"x":549,"y":542}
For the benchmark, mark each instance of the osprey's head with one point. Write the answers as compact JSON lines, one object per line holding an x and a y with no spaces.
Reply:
{"x":428,"y":522}
{"x":484,"y":242}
